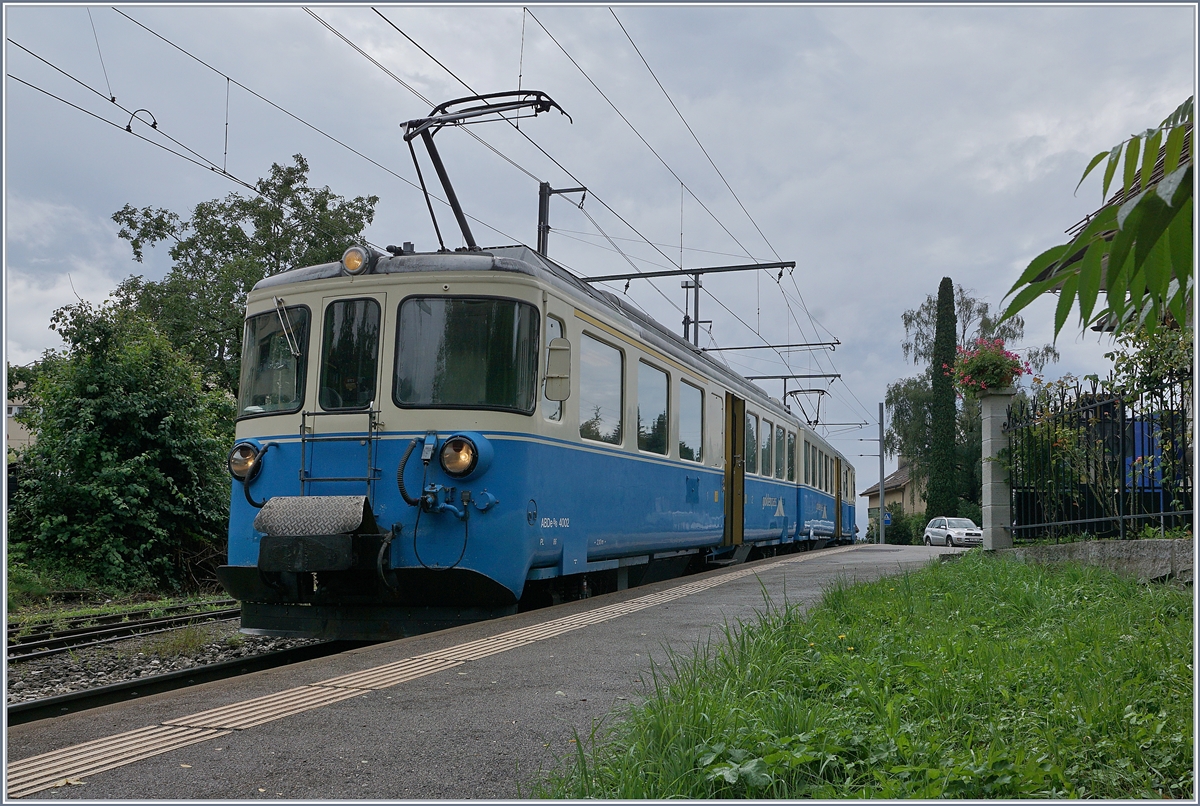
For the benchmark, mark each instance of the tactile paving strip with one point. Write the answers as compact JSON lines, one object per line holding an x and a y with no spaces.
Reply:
{"x":61,"y":767}
{"x":242,"y":715}
{"x":52,"y":769}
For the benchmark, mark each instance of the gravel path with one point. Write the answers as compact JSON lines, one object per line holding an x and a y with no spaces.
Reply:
{"x":136,"y":658}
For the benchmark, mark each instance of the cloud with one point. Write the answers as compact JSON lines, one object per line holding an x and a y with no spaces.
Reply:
{"x":56,"y":253}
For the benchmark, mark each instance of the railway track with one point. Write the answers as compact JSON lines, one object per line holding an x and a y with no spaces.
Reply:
{"x":29,"y":640}
{"x":76,"y":701}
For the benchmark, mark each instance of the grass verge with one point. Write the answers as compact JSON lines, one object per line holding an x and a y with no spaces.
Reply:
{"x":980,"y":678}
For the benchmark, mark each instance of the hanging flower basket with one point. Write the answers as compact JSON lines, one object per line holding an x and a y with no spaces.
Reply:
{"x":987,"y":367}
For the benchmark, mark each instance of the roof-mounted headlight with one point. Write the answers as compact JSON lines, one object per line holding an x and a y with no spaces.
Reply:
{"x":244,"y":462}
{"x":357,"y":260}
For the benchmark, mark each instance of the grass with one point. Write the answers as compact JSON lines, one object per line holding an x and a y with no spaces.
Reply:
{"x":980,"y":678}
{"x":184,"y":641}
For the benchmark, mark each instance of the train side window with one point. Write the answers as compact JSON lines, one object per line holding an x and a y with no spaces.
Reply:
{"x":821,"y":467}
{"x":791,"y":456}
{"x":552,"y":409}
{"x":652,"y":409}
{"x":751,"y":443}
{"x":349,"y":354}
{"x":274,"y":362}
{"x":716,"y":416}
{"x":780,"y":451}
{"x":766,"y":454}
{"x":807,"y":462}
{"x":601,"y":391}
{"x":691,"y":422}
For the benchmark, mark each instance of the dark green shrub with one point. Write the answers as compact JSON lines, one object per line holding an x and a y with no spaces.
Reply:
{"x":126,"y":482}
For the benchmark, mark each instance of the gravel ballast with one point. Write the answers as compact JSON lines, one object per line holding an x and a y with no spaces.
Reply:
{"x":135,"y":659}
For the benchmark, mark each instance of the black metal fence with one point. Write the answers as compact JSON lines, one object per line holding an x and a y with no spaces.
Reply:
{"x":1100,"y":464}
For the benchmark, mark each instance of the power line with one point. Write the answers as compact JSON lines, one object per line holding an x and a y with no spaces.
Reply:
{"x":693,"y":134}
{"x":634,"y":129}
{"x":135,"y":134}
{"x":303,"y":122}
{"x":514,"y":125}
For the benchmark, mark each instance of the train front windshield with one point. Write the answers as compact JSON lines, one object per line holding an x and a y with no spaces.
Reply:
{"x":466,"y":353}
{"x":274,"y":360}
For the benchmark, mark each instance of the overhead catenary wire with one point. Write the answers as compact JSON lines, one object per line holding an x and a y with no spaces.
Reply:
{"x":664,"y":163}
{"x":777,"y":280}
{"x":556,"y":162}
{"x":103,"y":69}
{"x":667,"y":95}
{"x":471,"y":89}
{"x":303,"y":122}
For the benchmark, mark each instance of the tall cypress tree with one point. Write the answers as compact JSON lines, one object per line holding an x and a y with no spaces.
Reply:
{"x":942,"y":496}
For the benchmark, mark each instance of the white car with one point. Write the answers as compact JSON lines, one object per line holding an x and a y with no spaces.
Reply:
{"x":953,"y":532}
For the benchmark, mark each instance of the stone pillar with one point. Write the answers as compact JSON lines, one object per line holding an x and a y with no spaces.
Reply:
{"x":997,"y":496}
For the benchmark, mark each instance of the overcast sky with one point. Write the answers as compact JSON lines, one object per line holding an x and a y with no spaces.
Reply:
{"x":880,"y":148}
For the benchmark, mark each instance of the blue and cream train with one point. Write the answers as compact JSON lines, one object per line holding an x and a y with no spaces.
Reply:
{"x":429,"y":439}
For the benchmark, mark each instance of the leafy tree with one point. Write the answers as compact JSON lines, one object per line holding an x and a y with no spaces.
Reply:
{"x":125,"y":484}
{"x":975,"y":320}
{"x":908,"y":400}
{"x":1138,"y":246}
{"x":941,"y":496}
{"x":224,"y":248}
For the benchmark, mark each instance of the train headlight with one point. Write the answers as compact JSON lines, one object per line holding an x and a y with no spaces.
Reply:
{"x":466,"y":455}
{"x":243,"y":462}
{"x":459,"y":456}
{"x":356,"y":260}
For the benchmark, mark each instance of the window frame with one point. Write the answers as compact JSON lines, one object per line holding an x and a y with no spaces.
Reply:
{"x":791,"y":456}
{"x":302,"y":364}
{"x":321,"y":361}
{"x":545,"y":403}
{"x":679,"y":421}
{"x":751,"y":444}
{"x":766,"y":440}
{"x":537,"y":371}
{"x":585,"y":334}
{"x":666,"y":451}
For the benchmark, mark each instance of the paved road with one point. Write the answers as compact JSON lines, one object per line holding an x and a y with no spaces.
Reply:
{"x":484,"y":728}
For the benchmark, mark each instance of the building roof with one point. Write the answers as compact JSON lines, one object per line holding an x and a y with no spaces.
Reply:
{"x":896,"y":481}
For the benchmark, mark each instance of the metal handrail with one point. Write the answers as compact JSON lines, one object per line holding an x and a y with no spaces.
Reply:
{"x":372,"y":438}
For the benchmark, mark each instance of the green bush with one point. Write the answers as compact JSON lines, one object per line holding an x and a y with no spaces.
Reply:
{"x":900,"y":532}
{"x":125,"y":484}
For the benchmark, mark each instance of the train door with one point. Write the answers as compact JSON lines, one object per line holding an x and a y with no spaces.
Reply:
{"x":735,"y":469}
{"x":339,"y":439}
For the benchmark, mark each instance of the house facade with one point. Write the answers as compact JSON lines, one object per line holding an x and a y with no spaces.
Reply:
{"x":900,"y":487}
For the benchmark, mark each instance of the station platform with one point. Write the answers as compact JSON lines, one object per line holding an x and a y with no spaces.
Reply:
{"x":479,"y":711}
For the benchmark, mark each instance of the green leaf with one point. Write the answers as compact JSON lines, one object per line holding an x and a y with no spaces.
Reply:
{"x":1122,"y":242}
{"x":1176,"y":186}
{"x":1177,"y":301}
{"x":1089,"y":281}
{"x":1173,"y":149}
{"x":1131,"y":162}
{"x":1065,"y":300}
{"x":1155,"y":218}
{"x":1181,"y":115}
{"x":1096,"y":160}
{"x":1157,"y":269}
{"x":1179,"y":234}
{"x":1039,"y":264}
{"x":1150,"y":156}
{"x":1114,"y":159}
{"x":1028,"y":295}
